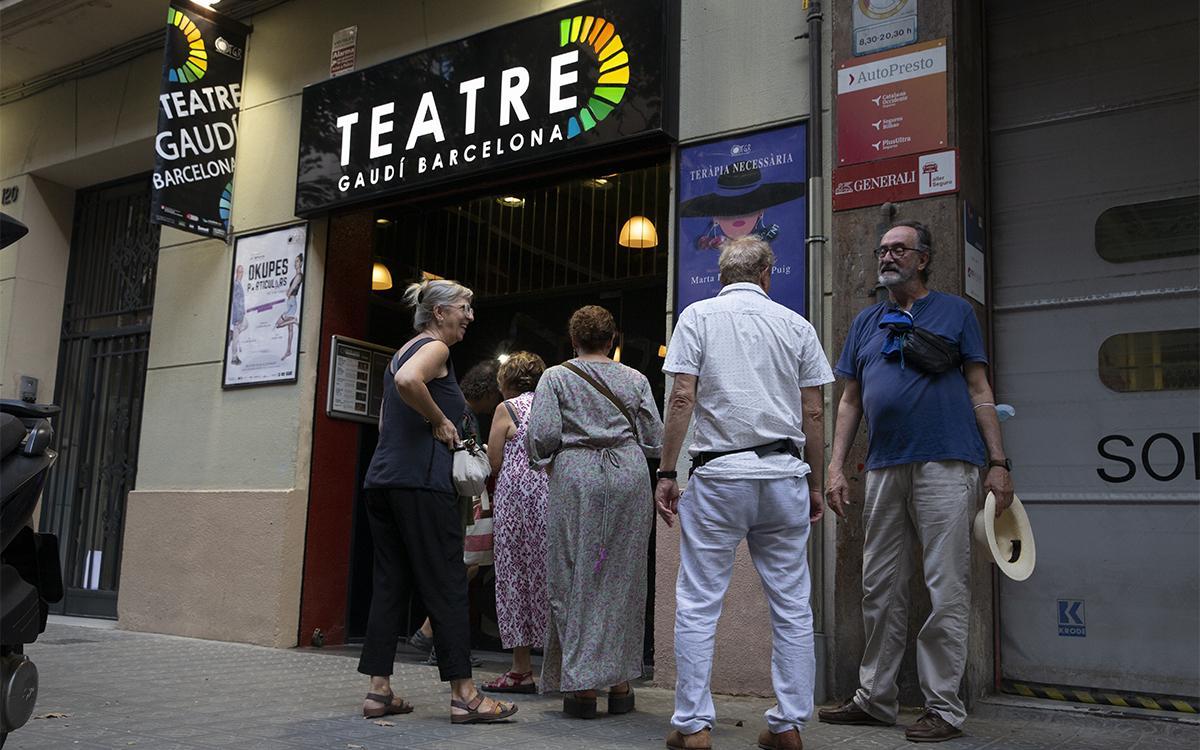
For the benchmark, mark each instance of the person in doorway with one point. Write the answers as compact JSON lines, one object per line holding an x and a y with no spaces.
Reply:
{"x":592,"y":424}
{"x":237,"y":317}
{"x":927,"y":435}
{"x":291,"y":316}
{"x":752,"y":371}
{"x":483,"y":395}
{"x":519,"y":524}
{"x":413,"y":510}
{"x":481,"y":389}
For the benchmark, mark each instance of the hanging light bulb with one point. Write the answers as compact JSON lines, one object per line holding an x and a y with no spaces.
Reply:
{"x":638,"y":232}
{"x":381,"y":277}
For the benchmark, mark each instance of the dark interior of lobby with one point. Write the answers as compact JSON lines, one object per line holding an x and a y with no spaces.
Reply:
{"x":532,"y":254}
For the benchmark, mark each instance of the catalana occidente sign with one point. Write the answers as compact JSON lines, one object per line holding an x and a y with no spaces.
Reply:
{"x":197,"y":120}
{"x":588,"y":75}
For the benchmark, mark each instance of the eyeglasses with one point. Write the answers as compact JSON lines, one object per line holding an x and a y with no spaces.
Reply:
{"x":898,"y":251}
{"x":464,"y":306}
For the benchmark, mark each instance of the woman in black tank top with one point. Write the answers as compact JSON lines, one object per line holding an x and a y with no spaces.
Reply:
{"x":413,"y":509}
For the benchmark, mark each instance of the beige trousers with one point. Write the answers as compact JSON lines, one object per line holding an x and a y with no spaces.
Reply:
{"x":928,"y":504}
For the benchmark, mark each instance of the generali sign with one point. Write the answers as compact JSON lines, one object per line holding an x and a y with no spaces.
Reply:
{"x":892,"y":104}
{"x":588,"y":75}
{"x":893,"y":180}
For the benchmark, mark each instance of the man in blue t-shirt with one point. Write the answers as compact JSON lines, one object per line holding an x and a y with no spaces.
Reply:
{"x":927,"y":435}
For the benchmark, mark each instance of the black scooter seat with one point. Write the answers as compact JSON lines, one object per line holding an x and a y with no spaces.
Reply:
{"x":26,"y":410}
{"x":12,"y":432}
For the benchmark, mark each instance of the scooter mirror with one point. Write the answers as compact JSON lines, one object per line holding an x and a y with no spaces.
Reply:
{"x":11,"y":230}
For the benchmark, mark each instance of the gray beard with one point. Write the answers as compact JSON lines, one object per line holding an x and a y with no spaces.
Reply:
{"x":895,"y":277}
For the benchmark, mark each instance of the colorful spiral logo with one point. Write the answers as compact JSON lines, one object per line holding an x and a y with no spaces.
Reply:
{"x":600,"y":39}
{"x":196,"y":65}
{"x":226,"y":202}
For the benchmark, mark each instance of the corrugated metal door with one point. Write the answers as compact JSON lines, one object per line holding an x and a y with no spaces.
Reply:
{"x":1094,"y":163}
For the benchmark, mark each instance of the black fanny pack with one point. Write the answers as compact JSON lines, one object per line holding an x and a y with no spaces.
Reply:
{"x":924,"y":350}
{"x":929,"y":352}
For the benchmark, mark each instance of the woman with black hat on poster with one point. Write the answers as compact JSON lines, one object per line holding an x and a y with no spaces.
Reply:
{"x":738,"y":206}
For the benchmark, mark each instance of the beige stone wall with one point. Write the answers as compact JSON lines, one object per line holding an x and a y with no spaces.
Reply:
{"x":222,"y":564}
{"x":33,"y":275}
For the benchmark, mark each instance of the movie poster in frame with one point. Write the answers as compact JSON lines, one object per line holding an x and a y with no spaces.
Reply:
{"x":753,"y":183}
{"x":266,"y":302}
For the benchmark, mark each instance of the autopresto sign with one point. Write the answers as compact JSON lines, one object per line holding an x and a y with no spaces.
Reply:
{"x":591,"y":74}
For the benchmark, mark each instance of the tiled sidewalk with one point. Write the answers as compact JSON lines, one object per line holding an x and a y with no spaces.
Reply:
{"x":131,"y":690}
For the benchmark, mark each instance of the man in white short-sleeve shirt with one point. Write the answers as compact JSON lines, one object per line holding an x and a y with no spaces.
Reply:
{"x":751,"y":370}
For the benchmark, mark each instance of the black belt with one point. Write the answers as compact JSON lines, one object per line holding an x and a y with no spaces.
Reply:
{"x":779,"y":446}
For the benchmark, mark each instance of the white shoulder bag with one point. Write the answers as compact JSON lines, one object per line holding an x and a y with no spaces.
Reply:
{"x":471,"y":468}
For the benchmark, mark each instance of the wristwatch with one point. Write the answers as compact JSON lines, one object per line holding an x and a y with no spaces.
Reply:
{"x":1005,"y":464}
{"x":667,"y":474}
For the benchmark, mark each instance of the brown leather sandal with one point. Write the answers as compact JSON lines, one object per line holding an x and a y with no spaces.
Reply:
{"x":389,"y":706}
{"x":474,"y":716}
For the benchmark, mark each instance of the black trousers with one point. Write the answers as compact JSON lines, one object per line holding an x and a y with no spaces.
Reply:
{"x":418,"y":538}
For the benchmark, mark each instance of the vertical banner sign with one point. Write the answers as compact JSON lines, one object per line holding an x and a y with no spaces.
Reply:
{"x":197,"y":120}
{"x":747,"y":184}
{"x":266,"y":297}
{"x":892,"y":104}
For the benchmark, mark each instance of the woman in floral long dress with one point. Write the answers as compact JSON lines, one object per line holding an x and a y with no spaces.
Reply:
{"x":518,"y":524}
{"x":599,"y":516}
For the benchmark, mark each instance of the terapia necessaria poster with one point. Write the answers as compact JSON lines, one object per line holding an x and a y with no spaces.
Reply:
{"x":266,"y":298}
{"x":748,"y":184}
{"x":198,"y":108}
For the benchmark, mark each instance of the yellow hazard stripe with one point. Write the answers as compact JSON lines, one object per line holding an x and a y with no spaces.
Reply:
{"x":1081,"y":695}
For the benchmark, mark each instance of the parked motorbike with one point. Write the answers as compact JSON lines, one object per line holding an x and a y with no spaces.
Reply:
{"x":30,"y":572}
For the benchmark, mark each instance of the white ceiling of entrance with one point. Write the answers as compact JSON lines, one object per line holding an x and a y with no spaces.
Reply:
{"x":40,"y":36}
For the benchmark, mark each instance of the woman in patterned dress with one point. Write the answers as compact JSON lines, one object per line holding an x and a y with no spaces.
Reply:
{"x":518,"y":524}
{"x":599,"y":516}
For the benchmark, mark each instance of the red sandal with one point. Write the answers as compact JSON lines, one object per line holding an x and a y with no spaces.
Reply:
{"x":512,"y":682}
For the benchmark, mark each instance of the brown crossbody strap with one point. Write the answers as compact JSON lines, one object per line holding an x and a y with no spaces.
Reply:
{"x":604,"y":391}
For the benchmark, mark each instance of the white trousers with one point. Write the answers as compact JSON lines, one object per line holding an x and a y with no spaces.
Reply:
{"x":930,"y":504}
{"x":772,"y":516}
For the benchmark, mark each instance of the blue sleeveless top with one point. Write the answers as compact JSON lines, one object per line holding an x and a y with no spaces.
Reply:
{"x":407,"y":456}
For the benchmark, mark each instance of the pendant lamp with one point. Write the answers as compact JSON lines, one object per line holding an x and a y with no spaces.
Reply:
{"x":639,"y":233}
{"x":381,"y":277}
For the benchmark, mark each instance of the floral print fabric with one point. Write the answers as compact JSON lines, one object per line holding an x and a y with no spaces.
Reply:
{"x":519,"y":534}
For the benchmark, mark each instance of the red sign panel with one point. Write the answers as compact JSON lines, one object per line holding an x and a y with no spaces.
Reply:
{"x":893,"y":180}
{"x":892,"y":103}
